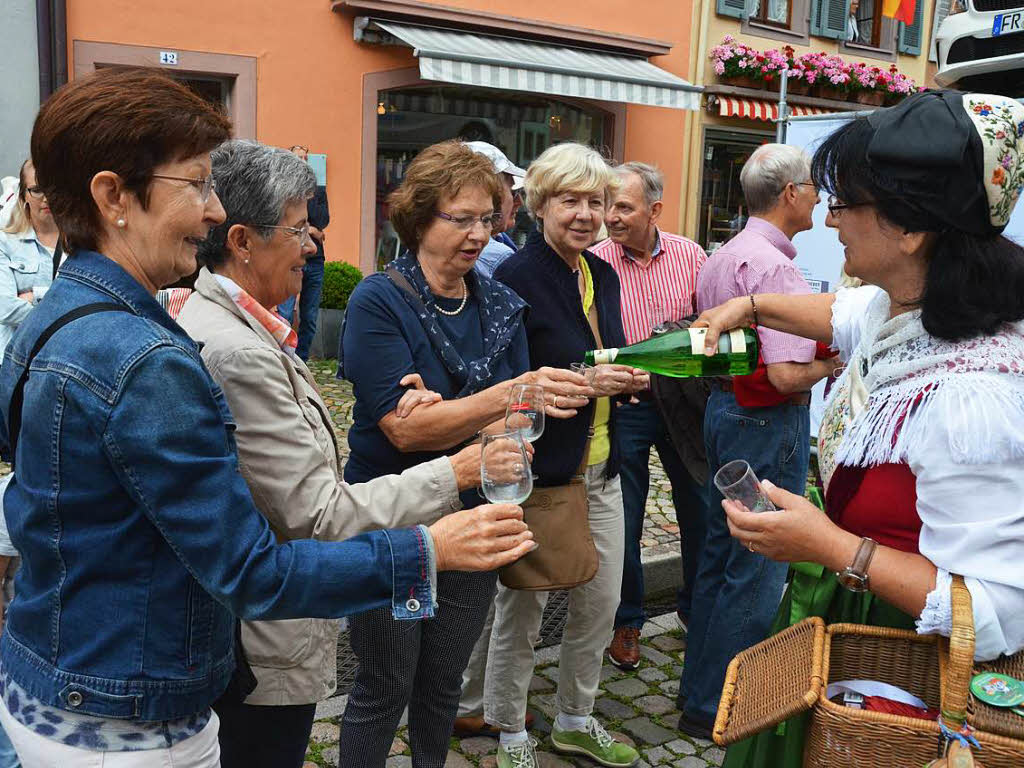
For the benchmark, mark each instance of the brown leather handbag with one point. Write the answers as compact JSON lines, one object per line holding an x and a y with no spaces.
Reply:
{"x":559,"y":517}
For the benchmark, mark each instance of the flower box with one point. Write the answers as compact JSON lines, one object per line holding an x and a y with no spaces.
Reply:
{"x":871,"y":98}
{"x":744,"y":81}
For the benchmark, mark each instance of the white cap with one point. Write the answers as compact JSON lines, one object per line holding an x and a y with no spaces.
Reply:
{"x":501,"y":163}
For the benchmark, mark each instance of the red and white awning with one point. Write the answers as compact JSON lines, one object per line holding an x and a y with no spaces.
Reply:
{"x":756,"y":109}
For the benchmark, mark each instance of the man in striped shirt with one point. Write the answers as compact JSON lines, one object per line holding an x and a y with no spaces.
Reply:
{"x":658,"y":276}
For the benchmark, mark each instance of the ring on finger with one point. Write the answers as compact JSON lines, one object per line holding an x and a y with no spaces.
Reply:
{"x":556,"y":402}
{"x":751,"y":546}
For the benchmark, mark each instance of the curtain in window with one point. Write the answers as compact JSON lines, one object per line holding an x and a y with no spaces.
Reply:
{"x":777,"y":10}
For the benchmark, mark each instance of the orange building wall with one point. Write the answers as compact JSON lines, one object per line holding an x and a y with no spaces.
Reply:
{"x":310,"y":70}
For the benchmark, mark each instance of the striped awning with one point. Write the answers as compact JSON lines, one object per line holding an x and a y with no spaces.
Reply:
{"x":470,"y":58}
{"x":756,"y":109}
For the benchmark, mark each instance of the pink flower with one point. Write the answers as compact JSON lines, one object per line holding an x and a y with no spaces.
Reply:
{"x":719,"y":68}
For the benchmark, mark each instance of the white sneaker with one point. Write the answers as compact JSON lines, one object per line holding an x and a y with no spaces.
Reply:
{"x":523,"y":755}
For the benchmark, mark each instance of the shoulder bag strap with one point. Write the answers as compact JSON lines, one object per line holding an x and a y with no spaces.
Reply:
{"x":58,"y":251}
{"x":18,"y":395}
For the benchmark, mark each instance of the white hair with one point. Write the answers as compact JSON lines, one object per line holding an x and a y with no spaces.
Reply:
{"x":768,"y":171}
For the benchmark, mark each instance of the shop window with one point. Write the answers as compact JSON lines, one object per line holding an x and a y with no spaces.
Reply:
{"x":723,"y":210}
{"x":521,"y":125}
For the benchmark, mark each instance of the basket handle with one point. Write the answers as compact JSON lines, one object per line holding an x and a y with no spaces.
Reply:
{"x":961,"y":657}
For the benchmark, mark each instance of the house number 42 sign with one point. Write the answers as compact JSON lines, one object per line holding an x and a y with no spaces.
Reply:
{"x":169,"y":57}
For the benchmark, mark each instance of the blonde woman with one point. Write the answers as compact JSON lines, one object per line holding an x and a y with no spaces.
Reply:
{"x":564,"y":284}
{"x":27,"y":246}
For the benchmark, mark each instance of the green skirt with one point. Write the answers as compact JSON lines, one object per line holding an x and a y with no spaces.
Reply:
{"x":811,"y":592}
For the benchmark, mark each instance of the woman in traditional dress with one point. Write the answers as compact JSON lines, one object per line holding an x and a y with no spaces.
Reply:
{"x":921,"y":444}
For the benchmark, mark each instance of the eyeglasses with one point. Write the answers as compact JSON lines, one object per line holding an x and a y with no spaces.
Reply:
{"x":465,"y":223}
{"x":302,"y":233}
{"x":807,"y":184}
{"x":36,"y":192}
{"x":299,"y":146}
{"x":835,"y":207}
{"x":205,"y":185}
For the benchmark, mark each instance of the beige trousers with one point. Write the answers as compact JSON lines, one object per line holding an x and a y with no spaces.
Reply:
{"x":592,"y":606}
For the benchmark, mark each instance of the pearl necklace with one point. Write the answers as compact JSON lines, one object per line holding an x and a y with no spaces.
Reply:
{"x":462,"y":306}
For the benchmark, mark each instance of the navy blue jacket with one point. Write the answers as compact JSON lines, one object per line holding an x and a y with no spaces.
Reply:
{"x":558,"y":335}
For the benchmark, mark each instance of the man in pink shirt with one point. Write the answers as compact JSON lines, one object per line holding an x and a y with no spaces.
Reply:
{"x":658,"y":277}
{"x":762,"y":418}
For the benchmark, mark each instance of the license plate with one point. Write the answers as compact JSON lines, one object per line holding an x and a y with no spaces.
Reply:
{"x":1007,"y":23}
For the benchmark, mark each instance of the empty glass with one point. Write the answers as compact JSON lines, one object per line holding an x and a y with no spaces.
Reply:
{"x":525,"y":411}
{"x":584,"y":370}
{"x":504,"y":469}
{"x":737,"y":481}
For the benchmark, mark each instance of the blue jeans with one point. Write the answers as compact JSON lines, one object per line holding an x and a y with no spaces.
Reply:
{"x":640,"y":426}
{"x":737,"y":591}
{"x":309,"y":305}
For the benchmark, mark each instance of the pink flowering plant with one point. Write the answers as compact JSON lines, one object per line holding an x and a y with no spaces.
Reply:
{"x":732,"y":58}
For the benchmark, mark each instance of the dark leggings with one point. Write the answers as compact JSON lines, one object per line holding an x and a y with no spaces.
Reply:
{"x":418,"y":664}
{"x":253,"y":736}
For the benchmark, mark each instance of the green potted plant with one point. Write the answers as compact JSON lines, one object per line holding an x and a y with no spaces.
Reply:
{"x":340,"y":279}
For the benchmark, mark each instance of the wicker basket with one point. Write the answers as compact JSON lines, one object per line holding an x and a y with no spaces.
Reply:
{"x":787,"y":674}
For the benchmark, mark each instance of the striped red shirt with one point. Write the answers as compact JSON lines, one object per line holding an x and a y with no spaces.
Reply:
{"x":660,"y":292}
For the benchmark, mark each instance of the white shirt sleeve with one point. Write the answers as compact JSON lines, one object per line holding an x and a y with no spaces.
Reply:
{"x":972,"y":518}
{"x":849,"y":312}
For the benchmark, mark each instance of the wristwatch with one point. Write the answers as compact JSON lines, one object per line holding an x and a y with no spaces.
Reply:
{"x":855,"y":576}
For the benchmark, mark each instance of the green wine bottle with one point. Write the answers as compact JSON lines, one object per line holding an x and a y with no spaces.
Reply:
{"x":681,"y":354}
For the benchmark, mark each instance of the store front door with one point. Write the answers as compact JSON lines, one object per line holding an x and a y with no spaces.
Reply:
{"x":723,"y":211}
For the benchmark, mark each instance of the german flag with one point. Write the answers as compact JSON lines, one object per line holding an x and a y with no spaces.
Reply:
{"x":901,"y":10}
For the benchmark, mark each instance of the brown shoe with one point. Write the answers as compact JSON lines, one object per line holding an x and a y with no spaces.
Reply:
{"x":624,"y":651}
{"x":477,"y":726}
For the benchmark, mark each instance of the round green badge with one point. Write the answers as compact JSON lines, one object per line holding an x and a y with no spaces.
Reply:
{"x":998,"y":690}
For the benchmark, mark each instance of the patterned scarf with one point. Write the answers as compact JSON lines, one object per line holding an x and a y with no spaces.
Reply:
{"x":282,"y":332}
{"x":501,"y":314}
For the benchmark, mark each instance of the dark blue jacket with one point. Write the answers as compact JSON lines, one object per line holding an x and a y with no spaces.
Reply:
{"x":140,"y":541}
{"x":318,"y":214}
{"x":558,"y":335}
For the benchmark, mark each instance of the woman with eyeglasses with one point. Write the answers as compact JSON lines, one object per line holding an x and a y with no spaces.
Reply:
{"x":921,"y":440}
{"x":431,"y":315}
{"x":141,"y":545}
{"x":287,"y":449}
{"x":27,"y":247}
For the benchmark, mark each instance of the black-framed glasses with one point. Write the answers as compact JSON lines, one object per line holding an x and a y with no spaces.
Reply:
{"x":36,"y":192}
{"x":835,"y":206}
{"x":465,"y":223}
{"x":302,"y":233}
{"x":205,"y":185}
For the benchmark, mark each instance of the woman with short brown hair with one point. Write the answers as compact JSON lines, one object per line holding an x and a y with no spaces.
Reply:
{"x":431,"y":314}
{"x":140,"y":543}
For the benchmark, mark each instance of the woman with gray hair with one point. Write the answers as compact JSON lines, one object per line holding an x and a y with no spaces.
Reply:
{"x":287,"y":450}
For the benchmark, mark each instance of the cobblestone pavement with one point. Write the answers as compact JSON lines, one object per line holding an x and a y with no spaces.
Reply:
{"x":637,"y":707}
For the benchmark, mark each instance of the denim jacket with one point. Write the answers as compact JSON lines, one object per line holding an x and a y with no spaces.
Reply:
{"x":139,"y":539}
{"x":25,"y":263}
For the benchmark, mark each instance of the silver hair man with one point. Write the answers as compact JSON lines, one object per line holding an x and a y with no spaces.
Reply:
{"x":652,"y":181}
{"x":255,"y":183}
{"x":770,"y":169}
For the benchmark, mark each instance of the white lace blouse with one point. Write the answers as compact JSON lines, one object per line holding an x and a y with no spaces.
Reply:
{"x":963,"y":439}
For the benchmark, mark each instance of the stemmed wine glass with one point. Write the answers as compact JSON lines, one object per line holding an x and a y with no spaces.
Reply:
{"x":504,"y":468}
{"x":525,"y":411}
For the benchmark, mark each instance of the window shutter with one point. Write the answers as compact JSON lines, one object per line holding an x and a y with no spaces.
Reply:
{"x":735,"y":8}
{"x":910,"y":36}
{"x":941,"y":11}
{"x":828,"y":18}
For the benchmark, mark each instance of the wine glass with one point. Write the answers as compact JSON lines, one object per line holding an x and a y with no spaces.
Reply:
{"x":525,"y":411}
{"x":504,"y":469}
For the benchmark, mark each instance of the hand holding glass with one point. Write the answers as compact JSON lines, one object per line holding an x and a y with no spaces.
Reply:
{"x":737,"y":481}
{"x":505,"y":469}
{"x":525,"y":411}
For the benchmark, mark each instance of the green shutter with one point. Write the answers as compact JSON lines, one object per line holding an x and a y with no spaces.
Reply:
{"x":828,"y":18}
{"x":735,"y":8}
{"x":910,"y":36}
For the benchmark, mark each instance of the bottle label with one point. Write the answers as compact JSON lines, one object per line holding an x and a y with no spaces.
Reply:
{"x":604,"y":356}
{"x":739,"y":342}
{"x":697,"y":340}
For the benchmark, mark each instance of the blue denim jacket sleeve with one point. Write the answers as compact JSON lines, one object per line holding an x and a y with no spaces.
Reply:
{"x":171,"y":438}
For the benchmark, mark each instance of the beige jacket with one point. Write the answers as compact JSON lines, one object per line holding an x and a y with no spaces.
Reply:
{"x":288,"y":454}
